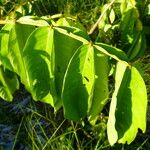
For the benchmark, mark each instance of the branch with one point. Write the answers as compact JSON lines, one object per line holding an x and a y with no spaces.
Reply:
{"x":100,"y":18}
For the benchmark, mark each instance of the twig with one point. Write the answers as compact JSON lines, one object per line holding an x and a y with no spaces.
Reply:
{"x":100,"y":18}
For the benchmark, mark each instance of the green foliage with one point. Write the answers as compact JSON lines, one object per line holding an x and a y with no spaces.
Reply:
{"x":60,"y":64}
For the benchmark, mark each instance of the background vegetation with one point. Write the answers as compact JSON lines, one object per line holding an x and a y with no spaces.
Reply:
{"x":26,"y":124}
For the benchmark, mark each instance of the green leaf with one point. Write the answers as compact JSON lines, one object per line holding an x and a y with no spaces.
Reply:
{"x":64,"y":48}
{"x":128,"y":105}
{"x":123,"y":6}
{"x":111,"y":51}
{"x":68,"y":31}
{"x":127,"y":24}
{"x":31,"y":59}
{"x":78,"y":83}
{"x":112,"y":16}
{"x":138,"y":47}
{"x":32,"y":20}
{"x":38,"y":61}
{"x":4,"y":39}
{"x":8,"y":84}
{"x":73,"y":26}
{"x":100,"y":93}
{"x":17,"y":39}
{"x":69,"y":22}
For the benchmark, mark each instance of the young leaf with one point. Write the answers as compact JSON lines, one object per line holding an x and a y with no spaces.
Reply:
{"x":78,"y":83}
{"x":8,"y":84}
{"x":128,"y":105}
{"x":100,"y":93}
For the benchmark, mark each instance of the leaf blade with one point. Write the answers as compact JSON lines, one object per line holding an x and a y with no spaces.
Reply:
{"x":100,"y":93}
{"x":37,"y":55}
{"x":78,"y":83}
{"x":126,"y":114}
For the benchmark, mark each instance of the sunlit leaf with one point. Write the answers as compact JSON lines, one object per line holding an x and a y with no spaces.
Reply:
{"x":73,"y":34}
{"x":69,"y":22}
{"x":100,"y":93}
{"x":128,"y":106}
{"x":17,"y":39}
{"x":31,"y":59}
{"x":32,"y":20}
{"x":112,"y":16}
{"x":38,"y":60}
{"x":74,"y":27}
{"x":64,"y":48}
{"x":78,"y":83}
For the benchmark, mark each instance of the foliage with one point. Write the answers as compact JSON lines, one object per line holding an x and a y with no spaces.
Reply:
{"x":60,"y":64}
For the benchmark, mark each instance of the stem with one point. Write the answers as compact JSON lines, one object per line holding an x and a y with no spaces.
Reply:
{"x":100,"y":18}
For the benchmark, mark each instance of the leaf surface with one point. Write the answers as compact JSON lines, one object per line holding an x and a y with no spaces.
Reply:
{"x":128,"y":105}
{"x":32,"y":20}
{"x":38,"y":60}
{"x":100,"y":93}
{"x":78,"y":83}
{"x":17,"y":40}
{"x":30,"y":55}
{"x":64,"y":48}
{"x":74,"y":27}
{"x":4,"y":39}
